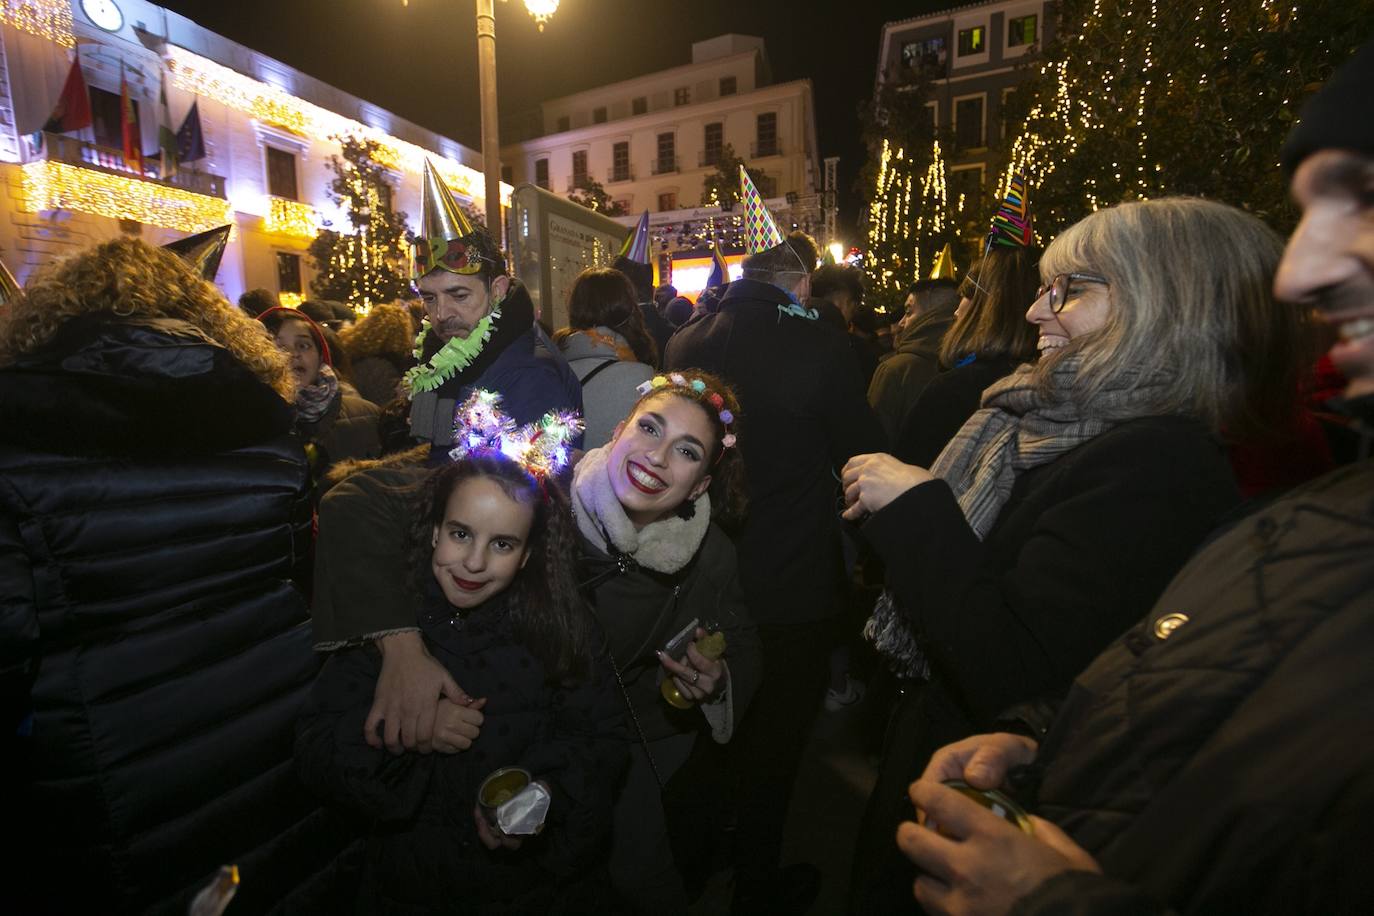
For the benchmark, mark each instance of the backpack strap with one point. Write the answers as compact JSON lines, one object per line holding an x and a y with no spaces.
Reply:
{"x":596,"y":370}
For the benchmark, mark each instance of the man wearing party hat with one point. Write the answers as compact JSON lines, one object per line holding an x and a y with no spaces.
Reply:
{"x":803,"y":403}
{"x":479,"y":329}
{"x":633,"y":262}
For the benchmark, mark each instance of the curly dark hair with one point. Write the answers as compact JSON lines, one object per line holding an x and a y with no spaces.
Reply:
{"x":728,"y":499}
{"x":546,"y":608}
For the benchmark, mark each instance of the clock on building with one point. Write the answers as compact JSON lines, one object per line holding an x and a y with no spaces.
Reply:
{"x":104,"y":13}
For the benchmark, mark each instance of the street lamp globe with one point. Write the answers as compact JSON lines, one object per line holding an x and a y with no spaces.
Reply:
{"x":541,"y":10}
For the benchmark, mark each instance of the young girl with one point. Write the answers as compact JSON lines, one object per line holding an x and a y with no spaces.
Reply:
{"x":499,"y":609}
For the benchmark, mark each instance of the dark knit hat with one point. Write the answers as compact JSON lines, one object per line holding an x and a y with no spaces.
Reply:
{"x":1339,"y":116}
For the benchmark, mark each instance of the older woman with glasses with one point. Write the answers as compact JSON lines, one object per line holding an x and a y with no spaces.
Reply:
{"x":1056,"y":516}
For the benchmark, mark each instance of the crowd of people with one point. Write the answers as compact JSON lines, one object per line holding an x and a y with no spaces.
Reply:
{"x":439,"y":610}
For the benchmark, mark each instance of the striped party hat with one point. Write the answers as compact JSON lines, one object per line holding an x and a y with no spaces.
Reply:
{"x":1011,"y":227}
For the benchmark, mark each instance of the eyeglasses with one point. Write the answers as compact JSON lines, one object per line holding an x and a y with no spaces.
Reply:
{"x":1058,"y":288}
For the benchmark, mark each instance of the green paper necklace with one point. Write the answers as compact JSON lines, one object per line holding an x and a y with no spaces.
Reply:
{"x":453,"y":357}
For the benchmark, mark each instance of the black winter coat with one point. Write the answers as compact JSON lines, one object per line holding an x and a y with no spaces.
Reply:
{"x":1226,"y":765}
{"x":944,"y":406}
{"x":152,"y":508}
{"x":803,"y":415}
{"x":423,"y":854}
{"x":640,"y":610}
{"x":900,"y":379}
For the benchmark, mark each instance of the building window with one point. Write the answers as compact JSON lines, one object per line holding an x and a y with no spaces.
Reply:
{"x":289,"y":273}
{"x":972,"y":41}
{"x":767,"y":134}
{"x":965,"y":186}
{"x":727,"y":85}
{"x":281,"y":174}
{"x":639,"y":105}
{"x":624,"y":203}
{"x":599,"y":115}
{"x":579,"y":171}
{"x":925,"y":57}
{"x":507,"y":175}
{"x":564,"y":123}
{"x":541,"y":173}
{"x":620,"y":161}
{"x":929,"y":120}
{"x":105,"y":118}
{"x":667,"y":201}
{"x":667,"y":155}
{"x":968,"y":122}
{"x":384,"y":193}
{"x":1021,"y":31}
{"x":682,"y":96}
{"x":715,"y":141}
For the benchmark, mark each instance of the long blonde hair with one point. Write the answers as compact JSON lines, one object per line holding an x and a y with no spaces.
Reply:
{"x":1192,"y":294}
{"x":384,"y":331}
{"x":128,"y":277}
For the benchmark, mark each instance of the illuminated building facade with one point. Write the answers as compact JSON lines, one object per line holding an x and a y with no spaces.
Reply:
{"x":269,"y":132}
{"x":652,"y":141}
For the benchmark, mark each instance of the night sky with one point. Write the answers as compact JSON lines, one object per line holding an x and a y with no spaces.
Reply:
{"x":420,"y":61}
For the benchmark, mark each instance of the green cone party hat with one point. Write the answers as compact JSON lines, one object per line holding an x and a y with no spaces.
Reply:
{"x":448,"y":240}
{"x":761,"y":231}
{"x":203,"y":251}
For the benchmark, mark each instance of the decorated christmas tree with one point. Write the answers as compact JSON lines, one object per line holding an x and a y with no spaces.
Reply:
{"x":364,"y":263}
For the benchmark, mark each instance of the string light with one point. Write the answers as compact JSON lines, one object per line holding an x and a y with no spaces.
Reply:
{"x":290,"y":217}
{"x":290,"y":300}
{"x":209,"y":80}
{"x":48,"y":185}
{"x":50,"y":19}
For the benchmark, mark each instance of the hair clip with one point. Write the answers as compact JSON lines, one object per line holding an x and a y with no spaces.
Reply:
{"x":541,"y":448}
{"x":714,"y":398}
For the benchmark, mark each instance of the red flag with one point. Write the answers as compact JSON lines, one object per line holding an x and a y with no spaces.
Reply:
{"x":133,"y":147}
{"x":73,"y":109}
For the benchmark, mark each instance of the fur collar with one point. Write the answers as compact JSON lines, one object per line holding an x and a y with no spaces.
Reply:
{"x":665,"y":546}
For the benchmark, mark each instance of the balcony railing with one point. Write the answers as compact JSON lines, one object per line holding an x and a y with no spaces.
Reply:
{"x":664,"y":165}
{"x":708,"y":159}
{"x":83,"y":153}
{"x":577,"y":181}
{"x":622,"y":174}
{"x":769,"y":148}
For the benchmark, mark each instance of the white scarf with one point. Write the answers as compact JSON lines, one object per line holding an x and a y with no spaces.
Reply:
{"x":664,"y":546}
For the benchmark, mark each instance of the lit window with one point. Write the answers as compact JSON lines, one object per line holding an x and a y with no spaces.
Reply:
{"x":1021,"y":31}
{"x":925,"y":56}
{"x":971,"y":41}
{"x":682,"y":96}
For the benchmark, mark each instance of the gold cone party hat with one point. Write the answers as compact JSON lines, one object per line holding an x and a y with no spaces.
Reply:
{"x":447,"y":239}
{"x":761,"y":231}
{"x":636,"y":247}
{"x":203,"y":251}
{"x":944,"y":265}
{"x":9,"y":287}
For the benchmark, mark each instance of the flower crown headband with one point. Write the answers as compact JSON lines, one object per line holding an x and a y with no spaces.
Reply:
{"x":714,"y":398}
{"x":541,"y":448}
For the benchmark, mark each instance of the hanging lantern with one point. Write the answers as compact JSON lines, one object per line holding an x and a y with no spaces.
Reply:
{"x":541,"y":10}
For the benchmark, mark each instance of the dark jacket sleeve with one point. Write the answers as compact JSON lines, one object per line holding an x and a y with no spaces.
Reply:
{"x":18,"y":630}
{"x":1021,"y":620}
{"x":742,"y":651}
{"x":896,"y":385}
{"x":1083,"y":893}
{"x":938,"y":414}
{"x":334,"y":759}
{"x":360,"y":557}
{"x":852,"y":428}
{"x":581,"y":760}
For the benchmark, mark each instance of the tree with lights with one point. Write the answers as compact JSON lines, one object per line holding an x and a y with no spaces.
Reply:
{"x":908,"y":218}
{"x":721,"y":187}
{"x":1143,"y":98}
{"x":369,"y":264}
{"x":591,"y":194}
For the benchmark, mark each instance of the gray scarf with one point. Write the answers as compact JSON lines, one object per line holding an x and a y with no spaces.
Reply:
{"x":665,"y":546}
{"x":1018,"y":428}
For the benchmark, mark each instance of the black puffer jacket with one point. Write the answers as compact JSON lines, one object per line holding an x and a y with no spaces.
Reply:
{"x":1219,"y":757}
{"x":152,"y":647}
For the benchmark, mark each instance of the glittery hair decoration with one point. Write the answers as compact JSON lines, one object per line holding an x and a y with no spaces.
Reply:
{"x":714,"y":398}
{"x":1011,"y":227}
{"x":541,"y":448}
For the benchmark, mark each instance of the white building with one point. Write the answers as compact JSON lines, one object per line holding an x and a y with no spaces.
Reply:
{"x":269,"y":133}
{"x":651,"y":141}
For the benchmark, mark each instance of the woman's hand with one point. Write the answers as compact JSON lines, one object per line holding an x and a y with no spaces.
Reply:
{"x":492,"y":836}
{"x":978,"y":864}
{"x":697,"y":677}
{"x":406,"y":698}
{"x":873,"y":481}
{"x":457,"y":726}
